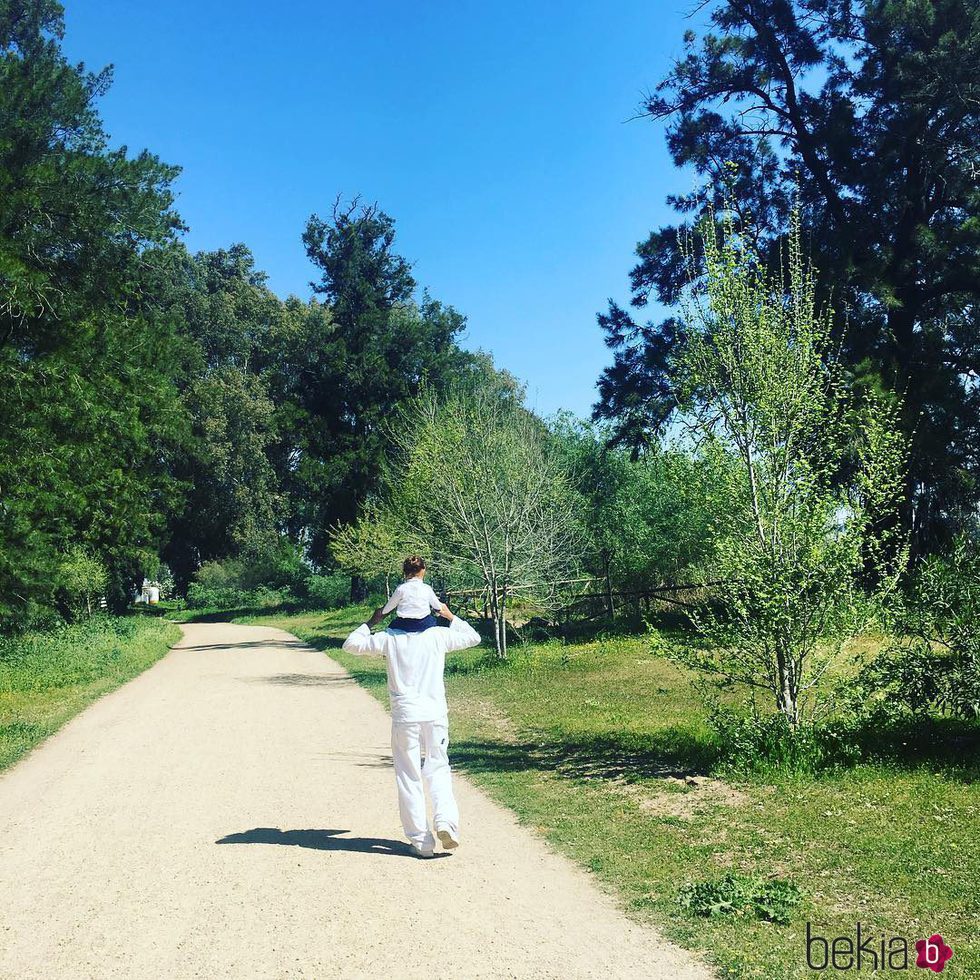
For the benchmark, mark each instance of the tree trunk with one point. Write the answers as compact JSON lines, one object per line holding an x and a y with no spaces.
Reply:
{"x":610,"y":608}
{"x":495,"y":616}
{"x":786,"y":696}
{"x":503,"y":623}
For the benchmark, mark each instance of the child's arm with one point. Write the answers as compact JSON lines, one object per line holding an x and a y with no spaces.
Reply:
{"x":437,"y":605}
{"x":391,"y":604}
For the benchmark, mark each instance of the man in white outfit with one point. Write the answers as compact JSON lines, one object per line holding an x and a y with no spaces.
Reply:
{"x":419,"y":722}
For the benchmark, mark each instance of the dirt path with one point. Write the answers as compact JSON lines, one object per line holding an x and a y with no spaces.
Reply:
{"x":146,"y":839}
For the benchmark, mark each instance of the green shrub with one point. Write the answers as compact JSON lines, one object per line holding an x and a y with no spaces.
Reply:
{"x":266,"y":597}
{"x":757,"y":742}
{"x":279,"y":567}
{"x":263,"y":597}
{"x":264,"y":582}
{"x":934,"y":665}
{"x":214,"y":597}
{"x":327,"y":591}
{"x":770,"y":899}
{"x":82,"y":583}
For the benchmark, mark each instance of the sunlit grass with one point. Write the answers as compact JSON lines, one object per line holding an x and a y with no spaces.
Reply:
{"x":47,"y":678}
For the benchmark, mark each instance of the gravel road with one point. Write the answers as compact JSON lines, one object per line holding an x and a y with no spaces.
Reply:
{"x":231,"y":813}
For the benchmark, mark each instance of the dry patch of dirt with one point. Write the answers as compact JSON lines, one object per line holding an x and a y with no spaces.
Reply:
{"x":687,"y":798}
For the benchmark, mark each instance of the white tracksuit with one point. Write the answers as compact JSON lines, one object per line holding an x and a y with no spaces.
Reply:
{"x":419,"y":718}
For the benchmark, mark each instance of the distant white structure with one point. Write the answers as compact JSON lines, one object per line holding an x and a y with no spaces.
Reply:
{"x":150,"y":593}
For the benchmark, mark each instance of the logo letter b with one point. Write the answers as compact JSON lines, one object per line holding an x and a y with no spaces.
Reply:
{"x":816,"y":941}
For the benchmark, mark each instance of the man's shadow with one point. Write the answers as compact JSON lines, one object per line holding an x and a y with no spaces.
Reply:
{"x":322,"y":840}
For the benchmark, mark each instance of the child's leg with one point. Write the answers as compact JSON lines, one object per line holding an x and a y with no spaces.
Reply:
{"x":407,"y":625}
{"x":438,"y":776}
{"x":406,"y":753}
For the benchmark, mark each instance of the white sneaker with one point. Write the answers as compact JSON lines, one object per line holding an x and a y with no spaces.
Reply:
{"x":426,"y":849}
{"x":448,"y":836}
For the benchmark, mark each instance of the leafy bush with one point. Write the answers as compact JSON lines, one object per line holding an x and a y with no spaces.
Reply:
{"x":934,"y":665}
{"x":327,"y":591}
{"x":260,"y":581}
{"x":758,"y":742}
{"x":263,"y":597}
{"x":761,"y":392}
{"x":201,"y":596}
{"x":770,"y":899}
{"x":221,"y":575}
{"x":279,"y":567}
{"x":82,"y":583}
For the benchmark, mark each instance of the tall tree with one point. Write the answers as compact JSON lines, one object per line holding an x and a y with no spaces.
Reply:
{"x":366,"y":352}
{"x":872,"y":111}
{"x":87,"y":365}
{"x":761,"y":389}
{"x":479,"y":486}
{"x":229,"y":463}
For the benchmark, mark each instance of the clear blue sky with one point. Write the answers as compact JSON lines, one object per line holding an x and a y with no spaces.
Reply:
{"x":495,"y":134}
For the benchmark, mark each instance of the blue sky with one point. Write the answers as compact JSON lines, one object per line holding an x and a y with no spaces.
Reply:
{"x":495,"y":134}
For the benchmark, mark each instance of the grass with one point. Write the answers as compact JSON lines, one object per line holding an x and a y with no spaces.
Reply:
{"x":48,"y":678}
{"x":591,"y":743}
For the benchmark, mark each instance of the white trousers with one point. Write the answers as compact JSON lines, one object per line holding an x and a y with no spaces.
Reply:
{"x":420,"y":752}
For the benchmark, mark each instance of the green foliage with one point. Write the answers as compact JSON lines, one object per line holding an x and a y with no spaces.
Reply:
{"x":266,"y":581}
{"x":645,"y":521}
{"x":479,"y":489}
{"x":374,"y":546}
{"x":68,"y":655}
{"x":327,"y":591}
{"x":770,"y":899}
{"x":217,"y":584}
{"x":276,"y":577}
{"x":82,"y":582}
{"x":933,"y":666}
{"x":765,"y":743}
{"x":868,"y":113}
{"x":791,"y":543}
{"x":229,"y":462}
{"x":89,"y":408}
{"x":352,"y":370}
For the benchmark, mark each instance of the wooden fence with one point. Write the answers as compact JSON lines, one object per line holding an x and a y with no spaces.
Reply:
{"x":597,"y":599}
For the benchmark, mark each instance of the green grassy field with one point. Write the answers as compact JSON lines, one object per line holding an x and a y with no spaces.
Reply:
{"x":47,"y":678}
{"x":591,"y":745}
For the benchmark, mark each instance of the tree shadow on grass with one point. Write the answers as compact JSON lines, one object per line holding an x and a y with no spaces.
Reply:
{"x":321,"y":641}
{"x":322,"y":840}
{"x":947,"y":745}
{"x":672,"y":753}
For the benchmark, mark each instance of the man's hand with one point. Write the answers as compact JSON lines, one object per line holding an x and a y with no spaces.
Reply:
{"x":375,"y":619}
